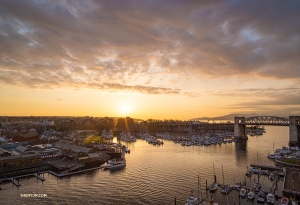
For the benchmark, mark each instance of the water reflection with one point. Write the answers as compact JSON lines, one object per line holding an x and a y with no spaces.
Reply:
{"x":155,"y":174}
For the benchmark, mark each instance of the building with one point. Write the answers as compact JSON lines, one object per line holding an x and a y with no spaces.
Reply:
{"x":4,"y":153}
{"x":19,"y":160}
{"x":23,"y":150}
{"x":11,"y":146}
{"x":26,"y":137}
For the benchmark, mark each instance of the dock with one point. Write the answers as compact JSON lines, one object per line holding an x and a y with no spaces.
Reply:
{"x":39,"y":177}
{"x":71,"y":173}
{"x":11,"y":179}
{"x":291,"y":184}
{"x":15,"y":180}
{"x":265,"y":167}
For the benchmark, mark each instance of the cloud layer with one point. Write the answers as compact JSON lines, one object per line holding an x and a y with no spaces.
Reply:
{"x":146,"y":46}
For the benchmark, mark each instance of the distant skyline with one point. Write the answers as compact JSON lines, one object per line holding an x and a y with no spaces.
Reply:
{"x":149,"y":59}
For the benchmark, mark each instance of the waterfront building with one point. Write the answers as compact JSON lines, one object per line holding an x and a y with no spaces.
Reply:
{"x":10,"y":146}
{"x":23,"y":150}
{"x":4,"y":153}
{"x":19,"y":161}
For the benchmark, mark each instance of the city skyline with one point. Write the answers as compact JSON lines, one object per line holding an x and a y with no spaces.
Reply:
{"x":149,"y":59}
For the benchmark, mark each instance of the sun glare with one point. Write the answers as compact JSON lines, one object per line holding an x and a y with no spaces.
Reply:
{"x":125,"y":109}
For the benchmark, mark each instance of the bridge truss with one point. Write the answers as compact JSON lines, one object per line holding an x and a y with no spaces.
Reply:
{"x":267,"y":120}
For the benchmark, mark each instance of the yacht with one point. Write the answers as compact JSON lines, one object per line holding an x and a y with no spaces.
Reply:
{"x":115,"y":163}
{"x":251,"y":194}
{"x":274,"y":156}
{"x":261,"y":196}
{"x":192,"y":200}
{"x":284,"y":201}
{"x":243,"y":193}
{"x":256,"y":187}
{"x":238,"y":185}
{"x":270,"y":198}
{"x":226,"y":189}
{"x":213,"y":187}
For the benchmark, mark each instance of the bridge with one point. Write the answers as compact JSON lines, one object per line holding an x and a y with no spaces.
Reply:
{"x":238,"y":126}
{"x":293,"y":122}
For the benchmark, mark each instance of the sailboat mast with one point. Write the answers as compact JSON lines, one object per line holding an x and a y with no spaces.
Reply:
{"x":198,"y":190}
{"x":223,"y":174}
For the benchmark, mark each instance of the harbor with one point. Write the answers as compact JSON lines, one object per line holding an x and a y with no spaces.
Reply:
{"x":152,"y":174}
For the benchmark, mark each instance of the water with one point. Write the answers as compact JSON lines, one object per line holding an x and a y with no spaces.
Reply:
{"x":157,"y":174}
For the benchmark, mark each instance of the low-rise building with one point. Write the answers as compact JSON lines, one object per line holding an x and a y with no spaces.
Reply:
{"x":19,"y":160}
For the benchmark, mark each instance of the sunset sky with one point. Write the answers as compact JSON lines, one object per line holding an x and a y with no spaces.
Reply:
{"x":159,"y":59}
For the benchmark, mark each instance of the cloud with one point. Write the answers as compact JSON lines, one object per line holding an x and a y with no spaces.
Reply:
{"x":59,"y":99}
{"x":137,"y":45}
{"x":275,"y":101}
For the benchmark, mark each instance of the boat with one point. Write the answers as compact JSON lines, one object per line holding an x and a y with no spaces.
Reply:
{"x":284,"y":201}
{"x":192,"y":200}
{"x":213,"y":187}
{"x":251,"y":194}
{"x":115,"y":163}
{"x":226,"y":189}
{"x":270,"y":198}
{"x":238,"y":185}
{"x":256,"y":187}
{"x":271,"y":176}
{"x":261,"y":196}
{"x":243,"y":193}
{"x":274,"y":156}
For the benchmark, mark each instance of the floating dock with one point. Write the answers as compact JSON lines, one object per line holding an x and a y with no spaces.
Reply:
{"x":71,"y":173}
{"x":265,"y":167}
{"x":291,"y":184}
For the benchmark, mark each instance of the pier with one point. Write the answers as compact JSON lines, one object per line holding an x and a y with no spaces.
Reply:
{"x":39,"y":177}
{"x":291,"y":184}
{"x":15,"y":180}
{"x":264,"y":167}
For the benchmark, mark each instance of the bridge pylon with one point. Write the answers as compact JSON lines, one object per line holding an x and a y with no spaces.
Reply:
{"x":294,"y":129}
{"x":240,"y":128}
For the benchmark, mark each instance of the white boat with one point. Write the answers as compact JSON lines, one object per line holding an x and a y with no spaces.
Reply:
{"x":213,"y":187}
{"x":261,"y":196}
{"x":274,"y":156}
{"x":115,"y":163}
{"x":192,"y":200}
{"x":270,"y":198}
{"x":284,"y":201}
{"x":251,"y":194}
{"x":243,"y":193}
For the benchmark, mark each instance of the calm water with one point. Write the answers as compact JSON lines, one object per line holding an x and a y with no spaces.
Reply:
{"x":156,"y":174}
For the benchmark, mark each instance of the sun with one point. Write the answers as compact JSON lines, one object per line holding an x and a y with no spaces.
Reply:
{"x":125,"y":109}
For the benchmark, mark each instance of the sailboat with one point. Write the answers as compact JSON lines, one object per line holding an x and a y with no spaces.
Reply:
{"x":192,"y":200}
{"x":214,"y":186}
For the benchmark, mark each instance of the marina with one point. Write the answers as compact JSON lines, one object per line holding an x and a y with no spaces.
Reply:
{"x":152,"y":175}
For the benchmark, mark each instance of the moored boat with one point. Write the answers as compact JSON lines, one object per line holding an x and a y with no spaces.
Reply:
{"x":115,"y":163}
{"x":243,"y":193}
{"x":251,"y":194}
{"x":261,"y":196}
{"x":284,"y":201}
{"x":213,"y":187}
{"x":270,"y":198}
